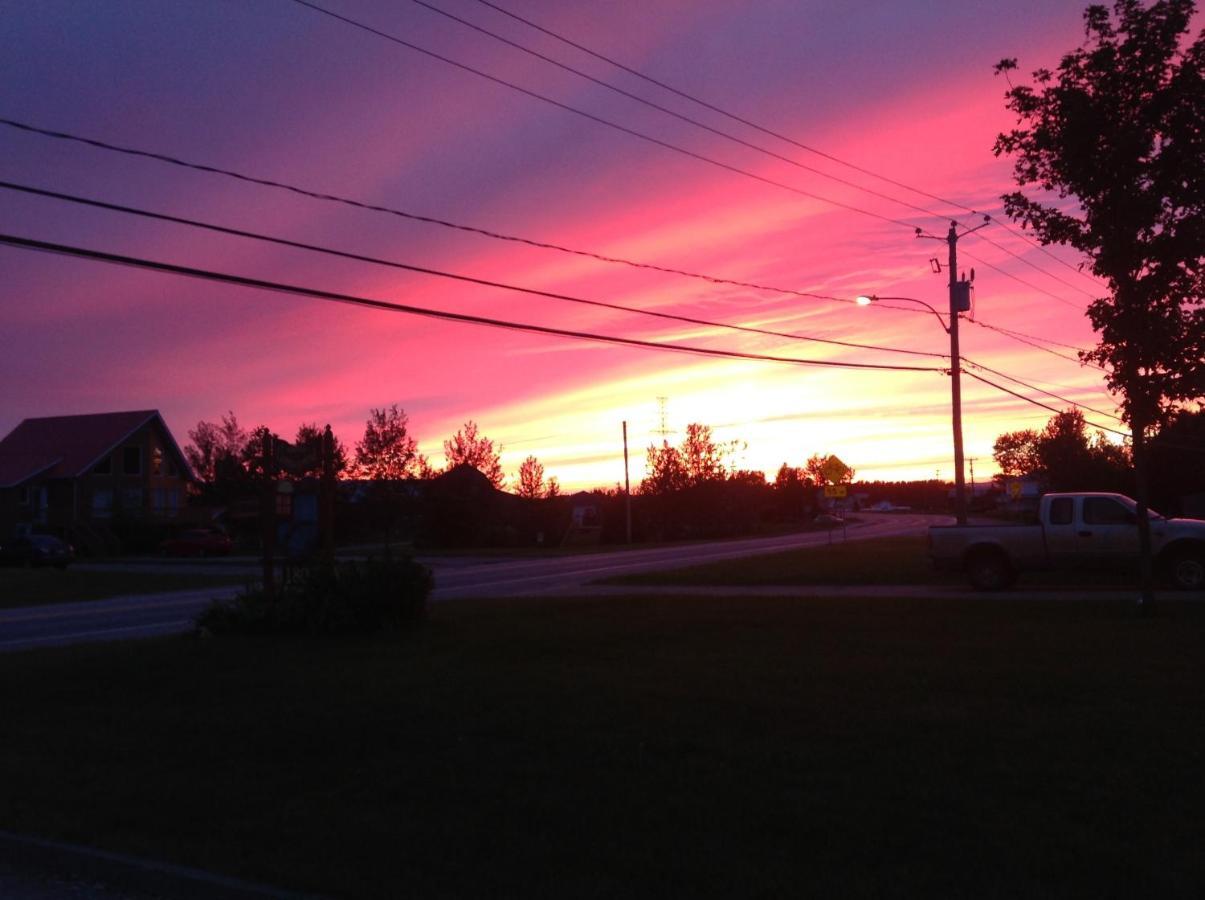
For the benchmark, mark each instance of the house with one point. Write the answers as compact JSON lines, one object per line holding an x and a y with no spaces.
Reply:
{"x":72,"y":475}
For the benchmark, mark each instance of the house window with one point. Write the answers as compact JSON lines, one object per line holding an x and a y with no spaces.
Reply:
{"x":102,"y":504}
{"x":157,"y":461}
{"x":104,"y":467}
{"x":158,"y":500}
{"x":25,"y":495}
{"x":131,"y":460}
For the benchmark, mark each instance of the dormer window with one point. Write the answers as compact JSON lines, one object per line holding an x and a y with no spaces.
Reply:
{"x":131,"y":460}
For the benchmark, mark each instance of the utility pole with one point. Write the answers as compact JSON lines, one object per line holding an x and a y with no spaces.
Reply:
{"x":960,"y":497}
{"x":960,"y":302}
{"x":627,"y":487}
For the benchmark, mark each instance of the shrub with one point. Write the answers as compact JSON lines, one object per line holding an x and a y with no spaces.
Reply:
{"x":346,"y":597}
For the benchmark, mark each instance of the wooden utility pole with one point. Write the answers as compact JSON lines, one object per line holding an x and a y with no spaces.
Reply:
{"x":326,"y":496}
{"x":267,"y":514}
{"x":627,"y":485}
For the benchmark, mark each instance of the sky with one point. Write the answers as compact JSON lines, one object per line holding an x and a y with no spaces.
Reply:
{"x":276,"y":90}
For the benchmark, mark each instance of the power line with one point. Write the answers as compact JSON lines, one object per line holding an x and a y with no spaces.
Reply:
{"x":1022,"y":281}
{"x":674,"y":113}
{"x":772,"y":133}
{"x":1026,"y":384}
{"x":600,"y":120}
{"x":333,"y":296}
{"x":482,"y":232}
{"x":1041,"y":404}
{"x":633,"y":132}
{"x":1026,"y":339}
{"x":424,"y":270}
{"x":403,"y":214}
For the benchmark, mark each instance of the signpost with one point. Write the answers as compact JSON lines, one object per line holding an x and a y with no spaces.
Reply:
{"x":834,"y":471}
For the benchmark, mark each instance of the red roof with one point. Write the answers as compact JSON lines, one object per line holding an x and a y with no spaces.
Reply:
{"x":68,"y":446}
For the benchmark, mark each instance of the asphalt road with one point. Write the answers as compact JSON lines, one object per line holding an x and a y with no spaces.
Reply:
{"x":151,"y":615}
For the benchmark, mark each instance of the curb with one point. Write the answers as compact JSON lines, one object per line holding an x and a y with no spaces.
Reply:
{"x":131,"y":873}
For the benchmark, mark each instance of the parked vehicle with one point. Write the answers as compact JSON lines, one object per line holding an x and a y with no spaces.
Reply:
{"x":197,"y":542}
{"x":37,"y":550}
{"x":1088,"y":530}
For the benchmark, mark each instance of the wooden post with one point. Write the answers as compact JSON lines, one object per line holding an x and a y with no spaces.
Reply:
{"x":268,"y":516}
{"x":326,"y":496}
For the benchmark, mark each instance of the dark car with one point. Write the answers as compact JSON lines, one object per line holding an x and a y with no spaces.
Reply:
{"x":36,"y":550}
{"x":198,"y":542}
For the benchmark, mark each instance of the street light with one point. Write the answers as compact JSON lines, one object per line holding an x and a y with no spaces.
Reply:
{"x":867,"y":299}
{"x":960,"y":502}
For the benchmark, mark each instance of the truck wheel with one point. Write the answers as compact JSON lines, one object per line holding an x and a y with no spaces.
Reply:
{"x":1187,"y":571}
{"x":989,"y":570}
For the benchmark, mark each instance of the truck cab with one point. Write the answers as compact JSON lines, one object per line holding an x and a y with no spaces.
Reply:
{"x":1093,"y":530}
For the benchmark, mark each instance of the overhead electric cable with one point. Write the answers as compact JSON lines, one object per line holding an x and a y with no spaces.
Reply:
{"x":601,"y":120}
{"x":414,"y":217}
{"x":371,"y":303}
{"x":1024,"y":339}
{"x":731,"y":137}
{"x":471,"y":229}
{"x":1026,"y":384}
{"x":1022,"y":281}
{"x":675,"y":114}
{"x":772,"y":133}
{"x":425,"y":270}
{"x":1053,"y":409}
{"x":1033,"y":337}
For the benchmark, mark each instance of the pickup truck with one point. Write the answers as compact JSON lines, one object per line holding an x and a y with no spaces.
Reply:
{"x":1084,"y":530}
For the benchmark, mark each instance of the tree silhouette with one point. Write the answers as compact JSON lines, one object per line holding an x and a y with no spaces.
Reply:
{"x":1118,"y":128}
{"x":701,"y":457}
{"x":215,"y":443}
{"x":1016,"y":453}
{"x":388,"y":452}
{"x":309,"y":439}
{"x":531,"y":478}
{"x":467,"y":447}
{"x":666,"y":470}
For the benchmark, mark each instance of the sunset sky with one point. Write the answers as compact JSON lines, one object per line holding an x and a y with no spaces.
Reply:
{"x":275,"y":90}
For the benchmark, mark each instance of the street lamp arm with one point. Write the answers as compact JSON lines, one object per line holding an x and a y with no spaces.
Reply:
{"x":867,"y":299}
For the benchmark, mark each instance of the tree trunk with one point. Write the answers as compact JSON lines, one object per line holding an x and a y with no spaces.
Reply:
{"x":1146,"y":564}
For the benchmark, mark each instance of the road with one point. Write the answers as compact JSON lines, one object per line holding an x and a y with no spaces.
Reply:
{"x":151,"y":615}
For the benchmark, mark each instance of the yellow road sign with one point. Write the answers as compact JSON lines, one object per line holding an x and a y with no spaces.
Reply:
{"x":834,"y":470}
{"x":835,"y":490}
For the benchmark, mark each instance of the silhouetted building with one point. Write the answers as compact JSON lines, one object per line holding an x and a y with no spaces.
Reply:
{"x":73,"y":475}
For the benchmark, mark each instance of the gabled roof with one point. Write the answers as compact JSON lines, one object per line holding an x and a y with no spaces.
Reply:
{"x":69,"y":446}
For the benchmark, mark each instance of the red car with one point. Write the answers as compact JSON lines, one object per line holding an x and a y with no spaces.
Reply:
{"x":198,"y":542}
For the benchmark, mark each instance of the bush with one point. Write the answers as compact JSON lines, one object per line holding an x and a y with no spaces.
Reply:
{"x":343,"y":598}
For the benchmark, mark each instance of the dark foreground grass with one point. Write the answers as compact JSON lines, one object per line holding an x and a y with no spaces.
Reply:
{"x":887,"y":560}
{"x":665,"y":747}
{"x":30,"y":587}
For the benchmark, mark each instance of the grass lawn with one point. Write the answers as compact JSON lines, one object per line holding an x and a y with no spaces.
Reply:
{"x":887,"y":560}
{"x":621,"y":747}
{"x":29,"y":587}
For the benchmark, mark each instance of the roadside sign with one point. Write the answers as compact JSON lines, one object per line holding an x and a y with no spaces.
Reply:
{"x":835,"y":490}
{"x":834,"y":470}
{"x":1014,"y":489}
